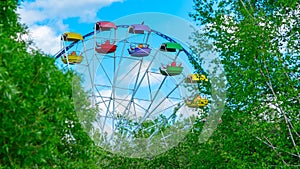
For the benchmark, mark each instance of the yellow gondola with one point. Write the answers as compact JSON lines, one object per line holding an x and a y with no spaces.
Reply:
{"x":67,"y":39}
{"x":71,"y":36}
{"x":72,"y":58}
{"x":196,"y":102}
{"x":193,"y":78}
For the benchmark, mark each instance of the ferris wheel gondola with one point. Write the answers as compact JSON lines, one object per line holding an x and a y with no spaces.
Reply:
{"x":196,"y":102}
{"x":141,"y":49}
{"x":174,"y":68}
{"x":74,"y":56}
{"x":106,"y":45}
{"x":195,"y":78}
{"x":171,"y":47}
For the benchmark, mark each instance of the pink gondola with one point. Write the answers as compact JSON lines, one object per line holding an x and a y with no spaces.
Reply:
{"x":107,"y":46}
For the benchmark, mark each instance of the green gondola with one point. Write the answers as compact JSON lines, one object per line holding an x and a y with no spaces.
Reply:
{"x":171,"y":47}
{"x":171,"y":70}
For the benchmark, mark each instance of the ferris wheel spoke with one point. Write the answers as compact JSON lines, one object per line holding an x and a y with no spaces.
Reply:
{"x":130,"y":71}
{"x":138,"y":84}
{"x":160,"y":125}
{"x":92,"y":78}
{"x":116,"y":70}
{"x":156,"y":93}
{"x":104,"y":102}
{"x":134,"y":88}
{"x":137,"y":76}
{"x":112,"y":96}
{"x":169,"y":107}
{"x":140,"y":106}
{"x":107,"y":111}
{"x":101,"y":102}
{"x":157,"y":129}
{"x":113,"y":87}
{"x":106,"y":74}
{"x":134,"y":110}
{"x":149,"y":86}
{"x":120,"y":60}
{"x":121,"y":88}
{"x":152,"y":101}
{"x":164,"y":137}
{"x":119,"y":102}
{"x":122,"y":101}
{"x":88,"y":67}
{"x":177,"y":85}
{"x":153,"y":73}
{"x":147,"y":115}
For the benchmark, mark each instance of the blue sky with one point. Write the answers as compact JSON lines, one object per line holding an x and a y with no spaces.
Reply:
{"x":175,"y":7}
{"x":48,"y":19}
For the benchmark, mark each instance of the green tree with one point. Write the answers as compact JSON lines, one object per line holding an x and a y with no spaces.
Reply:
{"x":39,"y":126}
{"x":258,"y":44}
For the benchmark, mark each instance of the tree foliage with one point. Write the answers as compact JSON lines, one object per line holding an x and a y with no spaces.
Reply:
{"x":258,"y":43}
{"x":39,"y":126}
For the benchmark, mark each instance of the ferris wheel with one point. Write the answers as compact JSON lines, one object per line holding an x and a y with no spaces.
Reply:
{"x":140,"y":81}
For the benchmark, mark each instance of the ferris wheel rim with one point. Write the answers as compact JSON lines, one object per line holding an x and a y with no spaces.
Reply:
{"x":166,"y":37}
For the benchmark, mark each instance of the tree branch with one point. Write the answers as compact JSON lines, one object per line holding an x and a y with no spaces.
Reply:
{"x":282,"y":112}
{"x":275,"y":149}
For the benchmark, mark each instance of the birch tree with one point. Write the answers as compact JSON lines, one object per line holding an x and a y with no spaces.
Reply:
{"x":258,"y":44}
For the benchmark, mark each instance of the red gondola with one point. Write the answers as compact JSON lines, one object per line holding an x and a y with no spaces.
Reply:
{"x":107,"y":46}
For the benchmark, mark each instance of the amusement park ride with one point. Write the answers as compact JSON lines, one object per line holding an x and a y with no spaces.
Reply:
{"x":105,"y":46}
{"x":141,"y":50}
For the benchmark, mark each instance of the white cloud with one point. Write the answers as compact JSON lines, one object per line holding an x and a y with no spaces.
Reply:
{"x":45,"y":38}
{"x":45,"y":18}
{"x":41,"y":10}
